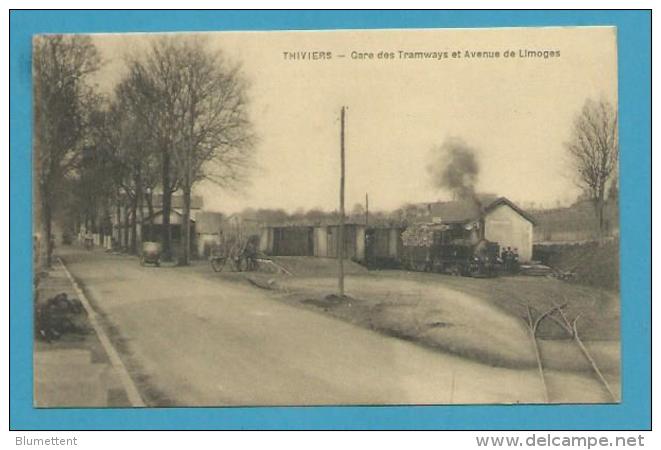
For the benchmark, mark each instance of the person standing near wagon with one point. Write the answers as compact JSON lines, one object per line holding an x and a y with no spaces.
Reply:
{"x":507,"y":259}
{"x":515,"y":260}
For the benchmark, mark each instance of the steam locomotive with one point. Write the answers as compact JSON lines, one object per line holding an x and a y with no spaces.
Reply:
{"x":456,"y":257}
{"x":457,"y":249}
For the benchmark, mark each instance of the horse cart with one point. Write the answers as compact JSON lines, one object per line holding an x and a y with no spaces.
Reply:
{"x":240,"y":254}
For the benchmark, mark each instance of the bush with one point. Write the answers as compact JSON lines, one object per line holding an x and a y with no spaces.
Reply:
{"x":593,"y":264}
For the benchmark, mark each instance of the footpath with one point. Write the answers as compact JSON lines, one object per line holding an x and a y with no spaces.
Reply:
{"x":77,"y":369}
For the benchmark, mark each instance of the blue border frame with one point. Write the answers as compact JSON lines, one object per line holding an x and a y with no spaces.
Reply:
{"x":634,"y":40}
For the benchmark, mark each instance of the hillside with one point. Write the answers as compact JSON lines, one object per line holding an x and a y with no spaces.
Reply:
{"x":577,"y":222}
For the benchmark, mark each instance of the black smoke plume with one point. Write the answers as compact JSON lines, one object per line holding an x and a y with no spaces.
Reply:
{"x":454,"y":167}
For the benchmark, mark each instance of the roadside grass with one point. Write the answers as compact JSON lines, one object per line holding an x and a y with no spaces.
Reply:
{"x":598,"y":310}
{"x":480,"y":319}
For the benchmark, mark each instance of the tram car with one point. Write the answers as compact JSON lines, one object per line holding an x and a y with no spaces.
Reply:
{"x":432,"y":248}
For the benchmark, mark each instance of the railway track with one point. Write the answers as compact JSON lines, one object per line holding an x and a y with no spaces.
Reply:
{"x":557,"y":314}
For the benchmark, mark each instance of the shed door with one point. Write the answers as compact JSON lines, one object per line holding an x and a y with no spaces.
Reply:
{"x":293,"y":241}
{"x":349,"y":242}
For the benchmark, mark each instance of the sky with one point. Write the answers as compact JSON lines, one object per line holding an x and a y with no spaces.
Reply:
{"x":516,"y":112}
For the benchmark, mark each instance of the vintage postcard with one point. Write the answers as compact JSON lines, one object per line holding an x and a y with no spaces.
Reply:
{"x":361,"y":217}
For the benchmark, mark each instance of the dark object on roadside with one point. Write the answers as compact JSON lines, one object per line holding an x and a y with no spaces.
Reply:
{"x":564,"y":275}
{"x":329,"y":301}
{"x":151,"y":253}
{"x":59,"y":315}
{"x":334,"y":298}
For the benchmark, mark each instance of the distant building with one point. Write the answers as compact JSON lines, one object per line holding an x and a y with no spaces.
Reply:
{"x":152,"y":225}
{"x":208,"y":226}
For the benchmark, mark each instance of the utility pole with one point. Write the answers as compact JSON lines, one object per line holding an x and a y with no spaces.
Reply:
{"x":340,"y":250}
{"x":367,"y":209}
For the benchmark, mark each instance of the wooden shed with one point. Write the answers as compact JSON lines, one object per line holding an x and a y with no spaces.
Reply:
{"x":313,"y":240}
{"x":294,"y":240}
{"x":327,"y":241}
{"x":383,"y":246}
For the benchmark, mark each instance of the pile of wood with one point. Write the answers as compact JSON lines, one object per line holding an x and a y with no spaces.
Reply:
{"x":418,"y":236}
{"x":60,"y":315}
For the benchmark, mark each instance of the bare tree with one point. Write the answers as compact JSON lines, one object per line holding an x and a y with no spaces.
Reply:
{"x":136,"y":149}
{"x":61,"y":65}
{"x":160,"y":87}
{"x":180,"y":108}
{"x":217,"y":136}
{"x":92,"y":179}
{"x":593,"y":150}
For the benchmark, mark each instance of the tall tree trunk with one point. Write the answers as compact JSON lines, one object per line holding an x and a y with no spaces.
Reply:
{"x":150,"y":207}
{"x":39,"y":250}
{"x":126,"y":226}
{"x":134,"y":223}
{"x":141,"y":215}
{"x":118,"y":221}
{"x":185,"y":255}
{"x":45,"y":245}
{"x":187,"y":186}
{"x":167,"y":202}
{"x":602,"y":231}
{"x":599,"y":207}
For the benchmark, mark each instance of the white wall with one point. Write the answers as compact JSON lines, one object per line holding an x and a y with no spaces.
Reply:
{"x":321,"y":241}
{"x":266,"y":240}
{"x":509,"y":229}
{"x":360,"y":243}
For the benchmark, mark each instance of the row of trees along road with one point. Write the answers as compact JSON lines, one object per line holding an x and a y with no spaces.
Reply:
{"x":178,"y":115}
{"x":62,"y":102}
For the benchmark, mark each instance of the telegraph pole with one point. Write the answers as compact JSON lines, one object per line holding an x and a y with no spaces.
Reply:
{"x":367,"y":209}
{"x":340,"y":250}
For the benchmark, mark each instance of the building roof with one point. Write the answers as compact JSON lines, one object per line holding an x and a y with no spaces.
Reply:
{"x":462,"y":211}
{"x":455,"y":211}
{"x":504,"y":201}
{"x":159,"y":213}
{"x":312,"y":224}
{"x":196,"y":201}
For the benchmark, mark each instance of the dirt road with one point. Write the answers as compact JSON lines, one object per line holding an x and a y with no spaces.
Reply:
{"x":192,"y":340}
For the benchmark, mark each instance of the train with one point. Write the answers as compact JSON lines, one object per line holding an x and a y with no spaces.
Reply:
{"x":452,"y":250}
{"x":457,"y":257}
